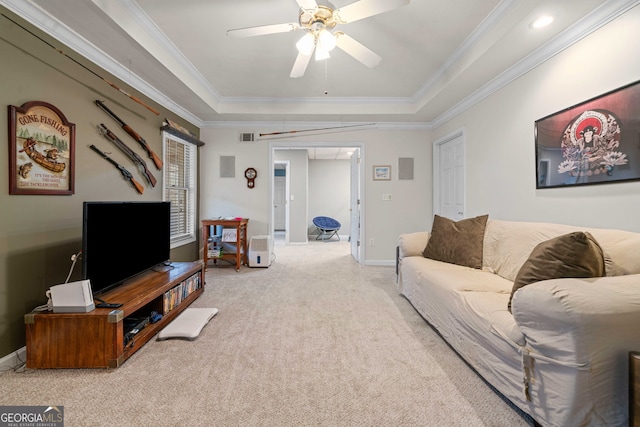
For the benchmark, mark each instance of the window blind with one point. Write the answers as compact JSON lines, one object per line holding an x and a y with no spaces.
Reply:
{"x":180,"y":187}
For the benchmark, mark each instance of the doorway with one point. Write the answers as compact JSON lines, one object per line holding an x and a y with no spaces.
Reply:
{"x":280,"y":199}
{"x":283,"y":202}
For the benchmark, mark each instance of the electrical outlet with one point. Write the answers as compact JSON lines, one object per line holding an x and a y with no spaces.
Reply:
{"x":372,"y":242}
{"x":386,"y":197}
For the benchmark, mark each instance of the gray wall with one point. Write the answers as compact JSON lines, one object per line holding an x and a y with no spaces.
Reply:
{"x":39,"y":233}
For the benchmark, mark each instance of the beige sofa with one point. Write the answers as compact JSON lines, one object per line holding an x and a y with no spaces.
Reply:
{"x":562,"y":356}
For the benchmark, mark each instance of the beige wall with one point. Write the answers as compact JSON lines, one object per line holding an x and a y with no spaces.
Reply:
{"x":39,"y":233}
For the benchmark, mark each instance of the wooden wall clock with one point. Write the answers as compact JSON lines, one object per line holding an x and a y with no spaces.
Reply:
{"x":251,"y":175}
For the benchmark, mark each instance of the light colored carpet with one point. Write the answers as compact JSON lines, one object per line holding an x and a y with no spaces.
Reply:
{"x":313,"y":340}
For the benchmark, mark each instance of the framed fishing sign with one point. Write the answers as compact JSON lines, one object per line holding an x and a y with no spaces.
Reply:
{"x":41,"y":150}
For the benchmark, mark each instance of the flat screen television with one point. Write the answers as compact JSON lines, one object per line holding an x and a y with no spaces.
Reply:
{"x":123,"y":239}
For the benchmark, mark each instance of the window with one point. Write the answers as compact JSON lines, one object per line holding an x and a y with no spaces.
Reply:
{"x":180,"y":159}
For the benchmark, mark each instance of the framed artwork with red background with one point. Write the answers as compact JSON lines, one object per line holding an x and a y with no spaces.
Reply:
{"x":594,"y":142}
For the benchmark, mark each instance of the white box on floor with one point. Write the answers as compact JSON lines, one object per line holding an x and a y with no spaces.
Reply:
{"x":260,"y":250}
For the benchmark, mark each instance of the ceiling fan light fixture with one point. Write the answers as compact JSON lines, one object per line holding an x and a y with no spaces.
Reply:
{"x":322,"y":53}
{"x":319,"y":22}
{"x":306,"y":44}
{"x":326,"y":40}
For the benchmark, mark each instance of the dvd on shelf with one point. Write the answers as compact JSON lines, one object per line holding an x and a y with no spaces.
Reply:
{"x":174,"y":296}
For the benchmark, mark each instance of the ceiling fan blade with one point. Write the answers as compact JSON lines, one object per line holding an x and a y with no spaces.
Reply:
{"x":264,"y":29}
{"x":300,"y":66}
{"x":366,"y":8}
{"x":307,"y":4}
{"x":357,"y":50}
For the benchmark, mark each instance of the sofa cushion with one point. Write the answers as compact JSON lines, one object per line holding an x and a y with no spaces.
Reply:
{"x":620,"y":250}
{"x":508,"y":244}
{"x":458,"y":242}
{"x":575,"y":254}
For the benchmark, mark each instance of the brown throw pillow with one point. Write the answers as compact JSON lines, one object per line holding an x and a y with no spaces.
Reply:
{"x":458,"y":242}
{"x":575,"y":254}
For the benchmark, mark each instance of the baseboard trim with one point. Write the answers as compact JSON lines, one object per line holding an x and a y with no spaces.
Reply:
{"x":380,"y":262}
{"x":13,"y":360}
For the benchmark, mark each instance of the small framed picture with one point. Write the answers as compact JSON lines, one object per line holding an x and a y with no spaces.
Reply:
{"x":229,"y":235}
{"x":382,"y":173}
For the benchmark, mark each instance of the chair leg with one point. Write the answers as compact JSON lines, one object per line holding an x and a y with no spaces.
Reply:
{"x":322,"y":234}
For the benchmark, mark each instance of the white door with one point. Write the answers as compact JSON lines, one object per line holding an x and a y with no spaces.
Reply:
{"x":449,"y":163}
{"x":279,"y":202}
{"x":354,"y":209}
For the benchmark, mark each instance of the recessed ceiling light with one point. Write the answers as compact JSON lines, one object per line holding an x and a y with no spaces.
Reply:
{"x":543,"y":21}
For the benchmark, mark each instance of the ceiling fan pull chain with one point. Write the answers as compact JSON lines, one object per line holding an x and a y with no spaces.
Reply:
{"x":326,"y":77}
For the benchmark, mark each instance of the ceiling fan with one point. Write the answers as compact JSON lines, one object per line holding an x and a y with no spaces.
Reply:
{"x":319,"y":21}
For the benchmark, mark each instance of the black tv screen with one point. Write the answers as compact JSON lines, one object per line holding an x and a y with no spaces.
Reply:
{"x":123,"y":239}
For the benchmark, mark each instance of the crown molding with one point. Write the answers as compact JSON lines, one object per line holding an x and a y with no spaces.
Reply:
{"x":595,"y":20}
{"x":137,"y":24}
{"x":496,"y":15}
{"x":156,"y":42}
{"x":35,"y":15}
{"x":279,"y":125}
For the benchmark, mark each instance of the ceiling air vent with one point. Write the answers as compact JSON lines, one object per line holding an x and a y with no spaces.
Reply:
{"x":247,"y":137}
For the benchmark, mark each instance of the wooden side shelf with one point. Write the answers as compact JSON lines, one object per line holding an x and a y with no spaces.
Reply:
{"x":97,"y":339}
{"x":239,"y":256}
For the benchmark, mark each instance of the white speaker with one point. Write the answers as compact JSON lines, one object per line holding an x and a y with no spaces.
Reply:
{"x":260,"y":249}
{"x":74,"y":297}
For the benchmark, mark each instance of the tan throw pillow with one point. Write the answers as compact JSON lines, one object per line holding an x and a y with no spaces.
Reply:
{"x":458,"y":242}
{"x":575,"y":254}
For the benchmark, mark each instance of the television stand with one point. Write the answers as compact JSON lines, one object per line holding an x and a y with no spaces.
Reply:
{"x":97,"y":339}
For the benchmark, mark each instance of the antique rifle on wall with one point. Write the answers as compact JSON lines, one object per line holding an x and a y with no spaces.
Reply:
{"x":153,"y":156}
{"x":129,"y":152}
{"x":125,"y":173}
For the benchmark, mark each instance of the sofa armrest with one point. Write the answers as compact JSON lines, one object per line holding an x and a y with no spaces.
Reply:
{"x":412,"y":244}
{"x":578,"y":336}
{"x":548,"y":310}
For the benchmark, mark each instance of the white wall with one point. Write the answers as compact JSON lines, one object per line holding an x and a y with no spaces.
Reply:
{"x":329,"y":193}
{"x":499,"y":131}
{"x":409,"y":210}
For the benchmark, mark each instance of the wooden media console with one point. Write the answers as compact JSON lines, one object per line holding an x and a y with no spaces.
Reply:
{"x":98,"y":339}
